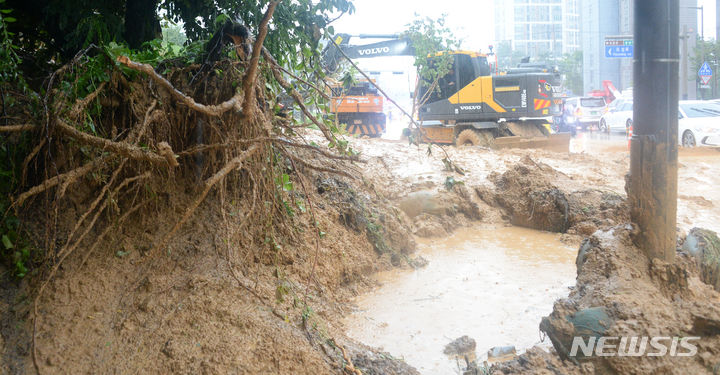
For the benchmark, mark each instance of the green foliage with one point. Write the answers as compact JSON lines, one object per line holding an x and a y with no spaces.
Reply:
{"x":430,"y":37}
{"x":56,"y":30}
{"x":450,"y":182}
{"x":571,"y":67}
{"x":9,"y":59}
{"x":174,"y":34}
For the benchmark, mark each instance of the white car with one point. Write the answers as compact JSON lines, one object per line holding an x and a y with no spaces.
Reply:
{"x":619,"y":116}
{"x":698,"y":123}
{"x":585,"y":111}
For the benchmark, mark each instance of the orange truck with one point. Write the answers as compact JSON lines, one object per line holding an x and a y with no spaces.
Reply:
{"x":359,"y":108}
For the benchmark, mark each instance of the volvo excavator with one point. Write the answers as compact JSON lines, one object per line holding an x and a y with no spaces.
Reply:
{"x":470,"y":105}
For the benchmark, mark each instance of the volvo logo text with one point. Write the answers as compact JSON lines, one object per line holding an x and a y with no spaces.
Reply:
{"x":374,"y":51}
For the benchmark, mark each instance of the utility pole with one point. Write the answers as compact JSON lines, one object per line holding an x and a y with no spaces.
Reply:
{"x":652,"y":188}
{"x":684,"y":66}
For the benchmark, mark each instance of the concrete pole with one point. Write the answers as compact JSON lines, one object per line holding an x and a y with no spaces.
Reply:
{"x":652,"y":190}
{"x":684,"y":66}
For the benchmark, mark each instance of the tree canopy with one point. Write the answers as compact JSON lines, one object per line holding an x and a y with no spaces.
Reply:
{"x":48,"y":30}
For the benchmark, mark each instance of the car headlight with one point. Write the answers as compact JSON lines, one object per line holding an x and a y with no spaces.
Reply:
{"x":711,"y":130}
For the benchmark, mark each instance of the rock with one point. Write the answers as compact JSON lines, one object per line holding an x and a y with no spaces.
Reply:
{"x":501,"y":351}
{"x":460,"y":346}
{"x":704,"y":246}
{"x":562,"y":327}
{"x":418,"y":262}
{"x":582,"y":254}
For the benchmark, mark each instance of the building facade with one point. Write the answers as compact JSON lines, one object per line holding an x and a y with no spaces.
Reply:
{"x":548,"y":28}
{"x":607,"y":18}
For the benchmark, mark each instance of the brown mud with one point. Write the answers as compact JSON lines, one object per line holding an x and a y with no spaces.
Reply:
{"x":211,"y":304}
{"x":583,"y":194}
{"x":208,"y":305}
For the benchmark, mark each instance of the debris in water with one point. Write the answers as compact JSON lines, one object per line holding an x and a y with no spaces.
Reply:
{"x":501,"y":351}
{"x":460,"y":346}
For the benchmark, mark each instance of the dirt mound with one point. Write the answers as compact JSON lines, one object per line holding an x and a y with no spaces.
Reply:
{"x":534,"y":195}
{"x":439,"y":213}
{"x":209,"y":304}
{"x":619,"y":293}
{"x":384,"y":227}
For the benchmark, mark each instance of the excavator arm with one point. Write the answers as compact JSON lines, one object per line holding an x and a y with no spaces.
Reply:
{"x":394,"y":46}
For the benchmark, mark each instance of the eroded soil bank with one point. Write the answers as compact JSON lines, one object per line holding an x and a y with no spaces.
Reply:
{"x":209,"y":304}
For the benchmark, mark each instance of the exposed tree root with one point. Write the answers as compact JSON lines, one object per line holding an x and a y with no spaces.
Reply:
{"x":217,"y":177}
{"x":119,"y":148}
{"x":211,"y":110}
{"x":350,"y":367}
{"x":66,"y":178}
{"x":134,"y":157}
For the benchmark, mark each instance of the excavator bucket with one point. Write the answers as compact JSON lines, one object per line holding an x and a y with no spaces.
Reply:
{"x":532,"y":135}
{"x":524,"y":134}
{"x":553,"y":142}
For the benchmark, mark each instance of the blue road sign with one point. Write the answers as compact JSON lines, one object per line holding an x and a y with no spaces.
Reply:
{"x":618,"y":51}
{"x":705,"y":70}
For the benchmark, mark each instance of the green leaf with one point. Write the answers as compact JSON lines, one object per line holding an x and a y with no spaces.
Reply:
{"x":9,"y":19}
{"x":6,"y":241}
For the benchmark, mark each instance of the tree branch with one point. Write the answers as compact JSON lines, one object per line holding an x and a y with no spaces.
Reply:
{"x":274,"y":68}
{"x":17,"y":128}
{"x":250,"y":75}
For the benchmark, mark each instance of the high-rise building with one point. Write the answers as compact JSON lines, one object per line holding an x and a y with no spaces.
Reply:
{"x":547,"y":28}
{"x":613,"y":18}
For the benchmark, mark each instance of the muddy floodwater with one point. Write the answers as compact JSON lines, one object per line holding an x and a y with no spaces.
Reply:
{"x":492,"y":284}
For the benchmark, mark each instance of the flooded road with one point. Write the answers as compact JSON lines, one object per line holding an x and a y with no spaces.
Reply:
{"x":491,"y":283}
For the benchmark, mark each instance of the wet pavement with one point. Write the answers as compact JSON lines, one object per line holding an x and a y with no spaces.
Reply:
{"x":493,"y":284}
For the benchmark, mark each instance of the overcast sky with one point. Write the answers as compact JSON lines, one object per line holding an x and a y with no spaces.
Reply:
{"x":470,"y":20}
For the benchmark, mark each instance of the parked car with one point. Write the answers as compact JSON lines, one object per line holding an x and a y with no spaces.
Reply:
{"x":586,"y":110}
{"x":698,"y":123}
{"x":618,"y":117}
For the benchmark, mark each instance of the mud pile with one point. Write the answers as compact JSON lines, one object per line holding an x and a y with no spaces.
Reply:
{"x":534,"y":195}
{"x":619,"y":293}
{"x":209,"y":304}
{"x":438,"y":213}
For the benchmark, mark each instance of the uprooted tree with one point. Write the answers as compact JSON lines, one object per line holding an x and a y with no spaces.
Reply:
{"x":124,"y":127}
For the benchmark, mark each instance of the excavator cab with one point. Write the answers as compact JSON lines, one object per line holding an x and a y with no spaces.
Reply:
{"x":469,"y":105}
{"x":468,"y":92}
{"x":464,"y":68}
